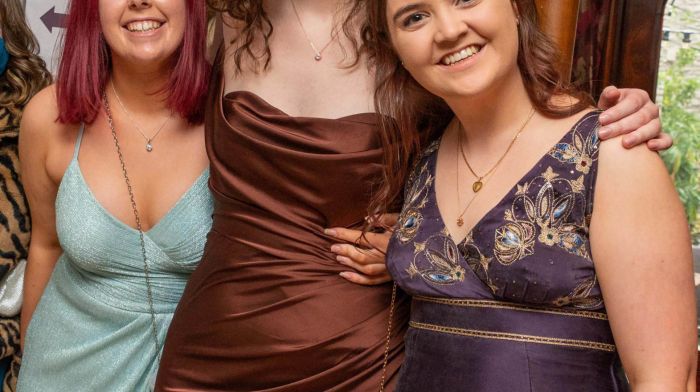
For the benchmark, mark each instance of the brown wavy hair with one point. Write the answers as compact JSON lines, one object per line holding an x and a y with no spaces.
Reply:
{"x":255,"y":22}
{"x":26,"y":72}
{"x":411,"y":116}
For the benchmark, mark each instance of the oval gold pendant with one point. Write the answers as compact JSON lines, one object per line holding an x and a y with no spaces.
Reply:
{"x":460,"y":222}
{"x":476,"y":187}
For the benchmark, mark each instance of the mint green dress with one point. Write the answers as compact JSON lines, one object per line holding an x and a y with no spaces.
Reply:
{"x":92,"y":330}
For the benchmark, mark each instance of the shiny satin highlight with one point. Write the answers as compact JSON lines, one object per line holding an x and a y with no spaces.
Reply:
{"x":266,"y":310}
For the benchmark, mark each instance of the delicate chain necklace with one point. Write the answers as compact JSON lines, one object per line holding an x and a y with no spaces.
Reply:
{"x":149,"y":140}
{"x":479,"y":183}
{"x":460,"y":218}
{"x":146,"y":267}
{"x":318,"y":53}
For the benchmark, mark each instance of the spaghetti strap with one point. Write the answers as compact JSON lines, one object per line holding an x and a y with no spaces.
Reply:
{"x":78,"y":141}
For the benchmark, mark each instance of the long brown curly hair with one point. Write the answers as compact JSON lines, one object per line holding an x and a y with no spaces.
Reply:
{"x":411,"y":116}
{"x":26,"y":72}
{"x":254,"y":23}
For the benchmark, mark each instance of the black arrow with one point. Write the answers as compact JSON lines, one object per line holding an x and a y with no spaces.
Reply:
{"x":53,"y":19}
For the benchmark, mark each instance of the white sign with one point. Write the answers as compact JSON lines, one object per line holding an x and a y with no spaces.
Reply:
{"x":46,"y":19}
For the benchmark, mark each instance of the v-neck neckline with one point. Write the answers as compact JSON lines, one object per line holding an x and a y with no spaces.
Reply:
{"x":127,"y":227}
{"x":508,"y":194}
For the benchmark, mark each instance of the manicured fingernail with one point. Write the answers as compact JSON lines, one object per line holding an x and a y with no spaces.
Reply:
{"x":335,"y":248}
{"x":340,"y":259}
{"x":604,"y":132}
{"x":603,"y":118}
{"x":330,"y":232}
{"x":344,"y":274}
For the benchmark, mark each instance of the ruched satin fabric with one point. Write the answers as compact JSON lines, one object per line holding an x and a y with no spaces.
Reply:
{"x":266,"y":310}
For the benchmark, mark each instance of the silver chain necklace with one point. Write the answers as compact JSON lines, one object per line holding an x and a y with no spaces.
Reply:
{"x":149,"y":140}
{"x":146,"y":267}
{"x":318,"y":53}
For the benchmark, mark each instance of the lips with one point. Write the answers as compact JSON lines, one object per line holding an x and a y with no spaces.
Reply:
{"x":460,"y":55}
{"x":143,"y":25}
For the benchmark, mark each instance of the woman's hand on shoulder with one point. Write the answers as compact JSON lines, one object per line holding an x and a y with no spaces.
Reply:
{"x":642,"y":253}
{"x":630,"y":112}
{"x":364,"y":253}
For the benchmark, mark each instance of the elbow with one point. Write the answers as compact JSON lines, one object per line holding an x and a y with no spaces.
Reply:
{"x":682,"y":379}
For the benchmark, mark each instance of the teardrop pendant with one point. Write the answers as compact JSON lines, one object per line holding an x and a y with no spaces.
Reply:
{"x":460,"y":222}
{"x":318,"y":57}
{"x":476,"y":187}
{"x":149,"y":147}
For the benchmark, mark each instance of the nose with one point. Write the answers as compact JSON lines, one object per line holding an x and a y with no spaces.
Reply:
{"x":450,"y":27}
{"x":139,"y":4}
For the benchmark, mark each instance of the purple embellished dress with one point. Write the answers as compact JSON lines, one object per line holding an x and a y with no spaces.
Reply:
{"x":516,"y":306}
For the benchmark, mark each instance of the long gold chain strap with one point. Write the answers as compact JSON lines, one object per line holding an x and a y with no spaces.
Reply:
{"x":146,"y":268}
{"x":387,"y":345}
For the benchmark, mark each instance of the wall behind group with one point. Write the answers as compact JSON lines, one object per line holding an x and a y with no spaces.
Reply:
{"x":46,"y":19}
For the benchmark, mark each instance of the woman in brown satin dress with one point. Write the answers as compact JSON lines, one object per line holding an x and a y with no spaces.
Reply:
{"x":267,"y":309}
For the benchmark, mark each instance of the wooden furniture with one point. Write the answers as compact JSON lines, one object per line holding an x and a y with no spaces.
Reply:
{"x":559,"y":19}
{"x":628,"y":54}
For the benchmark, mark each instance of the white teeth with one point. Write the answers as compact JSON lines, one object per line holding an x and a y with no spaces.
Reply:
{"x":461,"y":55}
{"x":146,"y":25}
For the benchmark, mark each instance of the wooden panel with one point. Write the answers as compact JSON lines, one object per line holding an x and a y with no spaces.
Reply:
{"x":634,"y":44}
{"x":559,"y":19}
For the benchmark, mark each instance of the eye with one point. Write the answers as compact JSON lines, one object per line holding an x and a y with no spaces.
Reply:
{"x":412,"y":19}
{"x":466,"y":3}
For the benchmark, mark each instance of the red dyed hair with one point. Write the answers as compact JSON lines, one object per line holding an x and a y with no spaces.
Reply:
{"x":86,"y":62}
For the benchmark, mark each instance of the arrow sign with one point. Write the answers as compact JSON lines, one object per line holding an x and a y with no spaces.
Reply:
{"x":53,"y":19}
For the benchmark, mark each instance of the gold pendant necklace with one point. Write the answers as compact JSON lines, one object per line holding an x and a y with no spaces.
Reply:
{"x":318,"y":53}
{"x":479,"y":183}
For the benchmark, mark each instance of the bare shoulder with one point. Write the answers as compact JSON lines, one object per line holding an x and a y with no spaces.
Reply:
{"x":45,"y":144}
{"x":40,"y":124}
{"x":629,"y":165}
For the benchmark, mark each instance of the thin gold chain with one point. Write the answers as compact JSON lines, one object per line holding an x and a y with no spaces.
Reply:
{"x":387,"y":344}
{"x":512,"y":142}
{"x":479,"y":179}
{"x":460,"y":218}
{"x":318,"y":53}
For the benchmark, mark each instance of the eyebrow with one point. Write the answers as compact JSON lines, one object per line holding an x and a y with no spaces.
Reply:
{"x":404,"y":10}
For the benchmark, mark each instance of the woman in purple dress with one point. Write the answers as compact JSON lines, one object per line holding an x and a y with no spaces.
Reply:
{"x":530,"y":249}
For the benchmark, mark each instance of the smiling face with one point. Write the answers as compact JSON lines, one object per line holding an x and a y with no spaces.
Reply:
{"x":455,"y":48}
{"x":143,"y":32}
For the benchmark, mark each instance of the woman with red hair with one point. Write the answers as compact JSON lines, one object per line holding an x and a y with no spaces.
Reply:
{"x":116,"y":176}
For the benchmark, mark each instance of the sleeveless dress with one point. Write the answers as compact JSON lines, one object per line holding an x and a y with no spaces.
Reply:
{"x":516,"y":306}
{"x":266,"y":309}
{"x":92,"y":330}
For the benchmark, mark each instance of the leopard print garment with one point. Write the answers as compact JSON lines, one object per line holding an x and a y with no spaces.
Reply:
{"x":14,"y":236}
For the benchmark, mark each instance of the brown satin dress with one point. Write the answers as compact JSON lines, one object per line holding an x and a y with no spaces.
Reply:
{"x":266,"y":309}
